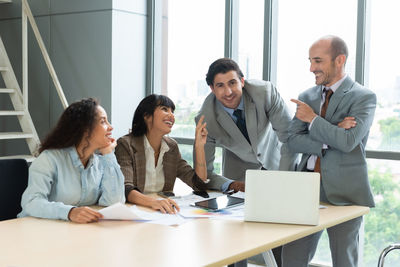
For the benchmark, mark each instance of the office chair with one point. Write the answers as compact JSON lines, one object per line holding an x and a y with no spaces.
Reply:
{"x":13,"y":182}
{"x":385,"y":252}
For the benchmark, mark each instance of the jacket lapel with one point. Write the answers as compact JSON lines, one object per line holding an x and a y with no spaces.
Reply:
{"x":140,"y":161}
{"x":168,"y":166}
{"x":227,"y":123}
{"x":315,"y":103}
{"x":251,"y":122}
{"x":337,"y":97}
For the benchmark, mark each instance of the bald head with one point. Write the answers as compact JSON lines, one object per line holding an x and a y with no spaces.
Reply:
{"x":335,"y":44}
{"x":328,"y":57}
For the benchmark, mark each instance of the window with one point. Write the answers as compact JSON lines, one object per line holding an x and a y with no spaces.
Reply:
{"x":187,"y":154}
{"x":251,"y":38}
{"x":384,"y":75}
{"x":382,"y":224}
{"x":384,"y":80}
{"x":195,"y":38}
{"x":298,"y":30}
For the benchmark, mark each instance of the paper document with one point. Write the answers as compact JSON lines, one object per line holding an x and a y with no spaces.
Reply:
{"x":194,"y":212}
{"x":120,"y":211}
{"x":236,"y":213}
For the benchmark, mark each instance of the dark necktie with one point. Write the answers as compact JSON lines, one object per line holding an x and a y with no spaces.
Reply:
{"x":328,"y":94}
{"x":241,"y":124}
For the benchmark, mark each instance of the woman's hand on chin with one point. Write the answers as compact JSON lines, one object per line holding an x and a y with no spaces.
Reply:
{"x":108,"y":148}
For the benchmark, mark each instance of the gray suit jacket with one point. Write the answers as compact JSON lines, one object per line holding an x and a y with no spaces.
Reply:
{"x":267,"y":122}
{"x":343,"y":166}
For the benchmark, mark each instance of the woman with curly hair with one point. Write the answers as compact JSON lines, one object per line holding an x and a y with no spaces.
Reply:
{"x":151,"y":161}
{"x":68,"y":175}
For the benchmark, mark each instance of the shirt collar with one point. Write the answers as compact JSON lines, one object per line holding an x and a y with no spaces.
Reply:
{"x":336,"y":85}
{"x":164,"y":146}
{"x":76,"y":161}
{"x":231,"y":110}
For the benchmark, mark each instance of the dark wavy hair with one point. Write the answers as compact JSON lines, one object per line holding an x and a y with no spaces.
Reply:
{"x":222,"y":65}
{"x":77,"y":120}
{"x":147,"y":107}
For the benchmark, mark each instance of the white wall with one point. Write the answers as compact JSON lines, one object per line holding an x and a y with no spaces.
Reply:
{"x":98,"y":49}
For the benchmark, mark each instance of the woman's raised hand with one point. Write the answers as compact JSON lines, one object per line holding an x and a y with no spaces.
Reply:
{"x":201,"y":132}
{"x":200,"y":141}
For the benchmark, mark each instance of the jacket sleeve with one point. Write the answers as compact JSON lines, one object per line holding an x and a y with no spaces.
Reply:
{"x":278,"y":114}
{"x":300,"y":140}
{"x":346,"y":140}
{"x":126,"y":160}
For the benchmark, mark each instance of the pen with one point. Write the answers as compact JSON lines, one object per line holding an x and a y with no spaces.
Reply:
{"x":175,"y":209}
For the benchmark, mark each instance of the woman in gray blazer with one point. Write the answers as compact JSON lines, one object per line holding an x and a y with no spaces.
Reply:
{"x":151,"y":161}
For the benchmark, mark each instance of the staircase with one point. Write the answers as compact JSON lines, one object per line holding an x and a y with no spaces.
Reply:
{"x":19,"y":100}
{"x":20,"y":110}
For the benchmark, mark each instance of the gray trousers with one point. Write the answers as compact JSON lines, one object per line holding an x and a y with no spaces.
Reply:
{"x":343,"y":241}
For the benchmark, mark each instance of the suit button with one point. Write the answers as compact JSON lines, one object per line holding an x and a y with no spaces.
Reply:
{"x":259,"y":155}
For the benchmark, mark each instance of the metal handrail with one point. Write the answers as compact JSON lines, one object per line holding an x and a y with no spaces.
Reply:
{"x":27,"y":16}
{"x":385,"y":252}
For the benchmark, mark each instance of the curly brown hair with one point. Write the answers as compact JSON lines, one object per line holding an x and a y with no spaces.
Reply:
{"x":77,"y":120}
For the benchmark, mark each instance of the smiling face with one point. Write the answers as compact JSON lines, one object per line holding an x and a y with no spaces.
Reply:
{"x":327,"y":71}
{"x":227,"y":88}
{"x":161,"y":121}
{"x":102,"y":130}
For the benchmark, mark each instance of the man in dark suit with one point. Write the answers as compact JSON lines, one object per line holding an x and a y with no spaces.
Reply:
{"x":331,"y":128}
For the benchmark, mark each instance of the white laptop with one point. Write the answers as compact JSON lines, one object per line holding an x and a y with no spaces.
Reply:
{"x":282,"y":197}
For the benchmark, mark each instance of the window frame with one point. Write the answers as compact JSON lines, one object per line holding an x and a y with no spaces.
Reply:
{"x":154,"y":41}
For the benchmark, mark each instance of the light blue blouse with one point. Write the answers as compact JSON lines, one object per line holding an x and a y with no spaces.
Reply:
{"x":58,"y":182}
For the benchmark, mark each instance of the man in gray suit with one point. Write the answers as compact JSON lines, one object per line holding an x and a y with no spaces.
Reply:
{"x":249,"y":120}
{"x":252,"y":141}
{"x":333,"y":143}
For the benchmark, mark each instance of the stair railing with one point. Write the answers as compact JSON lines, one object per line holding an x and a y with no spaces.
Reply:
{"x":27,"y":16}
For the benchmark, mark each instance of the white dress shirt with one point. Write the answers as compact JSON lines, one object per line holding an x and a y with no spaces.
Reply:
{"x":155,"y":179}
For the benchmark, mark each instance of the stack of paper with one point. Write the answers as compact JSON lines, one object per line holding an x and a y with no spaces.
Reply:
{"x":120,"y":211}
